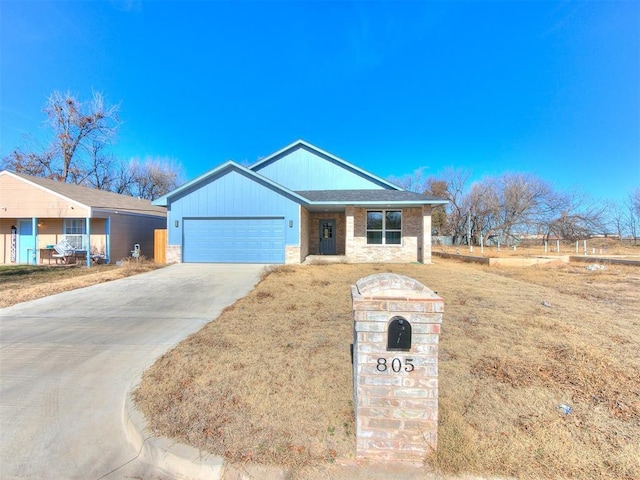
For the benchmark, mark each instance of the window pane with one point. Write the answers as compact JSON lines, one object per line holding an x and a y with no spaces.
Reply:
{"x":394,"y":220}
{"x":393,"y":238}
{"x":374,"y":238}
{"x":74,"y":226}
{"x":374,"y":220}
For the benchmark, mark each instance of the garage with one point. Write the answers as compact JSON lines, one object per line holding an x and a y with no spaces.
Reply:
{"x":234,"y":240}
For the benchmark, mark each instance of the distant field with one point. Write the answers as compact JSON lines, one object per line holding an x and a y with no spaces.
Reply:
{"x":595,"y":247}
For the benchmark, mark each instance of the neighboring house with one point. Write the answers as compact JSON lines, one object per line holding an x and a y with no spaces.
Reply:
{"x":297,"y":202}
{"x":38,"y":213}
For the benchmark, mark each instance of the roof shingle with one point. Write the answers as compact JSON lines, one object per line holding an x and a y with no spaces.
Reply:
{"x":365,"y":196}
{"x":96,"y":199}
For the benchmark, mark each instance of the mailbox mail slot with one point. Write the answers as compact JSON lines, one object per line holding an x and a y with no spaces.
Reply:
{"x":399,"y":335}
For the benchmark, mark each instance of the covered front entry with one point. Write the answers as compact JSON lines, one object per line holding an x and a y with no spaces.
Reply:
{"x":327,"y":229}
{"x":234,"y":240}
{"x":325,"y":233}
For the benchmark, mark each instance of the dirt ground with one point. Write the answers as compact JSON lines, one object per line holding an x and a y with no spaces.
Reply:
{"x":269,"y":382}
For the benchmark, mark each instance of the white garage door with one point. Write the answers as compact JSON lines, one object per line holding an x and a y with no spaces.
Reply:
{"x":233,"y":240}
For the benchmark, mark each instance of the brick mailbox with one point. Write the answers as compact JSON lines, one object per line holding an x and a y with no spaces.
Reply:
{"x":395,"y":367}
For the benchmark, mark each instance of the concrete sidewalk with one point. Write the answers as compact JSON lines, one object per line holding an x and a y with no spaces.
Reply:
{"x":68,"y":361}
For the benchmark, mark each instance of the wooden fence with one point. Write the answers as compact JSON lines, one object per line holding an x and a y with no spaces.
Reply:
{"x":159,"y":246}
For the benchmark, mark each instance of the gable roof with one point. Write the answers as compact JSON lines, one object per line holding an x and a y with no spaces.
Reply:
{"x":229,"y":165}
{"x":322,"y":153}
{"x":91,"y":198}
{"x":319,"y":200}
{"x":393,"y":196}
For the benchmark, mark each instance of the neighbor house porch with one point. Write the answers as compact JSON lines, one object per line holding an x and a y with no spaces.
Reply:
{"x":34,"y":240}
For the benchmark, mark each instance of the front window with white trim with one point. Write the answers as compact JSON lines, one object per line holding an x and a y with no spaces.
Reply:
{"x":384,"y":227}
{"x":74,"y":229}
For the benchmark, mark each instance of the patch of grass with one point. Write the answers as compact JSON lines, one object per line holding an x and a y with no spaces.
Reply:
{"x":8,"y":272}
{"x":21,"y":283}
{"x":270,"y":380}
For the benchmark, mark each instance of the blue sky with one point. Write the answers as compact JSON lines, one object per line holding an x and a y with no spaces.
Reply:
{"x":551,"y":88}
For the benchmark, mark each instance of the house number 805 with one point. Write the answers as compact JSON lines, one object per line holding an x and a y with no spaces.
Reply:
{"x":396,"y":365}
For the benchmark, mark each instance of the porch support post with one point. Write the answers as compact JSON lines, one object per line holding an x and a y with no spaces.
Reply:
{"x":34,"y":229}
{"x":349,"y":240}
{"x":426,"y":234}
{"x":88,"y":230}
{"x":107,"y":242}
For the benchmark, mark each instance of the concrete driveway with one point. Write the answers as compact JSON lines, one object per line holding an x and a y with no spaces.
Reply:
{"x":67,"y":362}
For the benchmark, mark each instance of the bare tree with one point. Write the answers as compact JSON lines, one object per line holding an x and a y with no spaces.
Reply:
{"x":575,"y":217}
{"x":31,"y":163}
{"x":81,"y":131}
{"x":632,"y":215}
{"x":437,"y":188}
{"x":482,"y":206}
{"x":504,"y":207}
{"x":152,"y":177}
{"x":635,"y":201}
{"x":617,"y":219}
{"x":78,"y":128}
{"x":624,"y":217}
{"x":28,"y":160}
{"x":79,"y":152}
{"x":452,"y":185}
{"x":122,"y":179}
{"x":102,"y":168}
{"x":413,"y":182}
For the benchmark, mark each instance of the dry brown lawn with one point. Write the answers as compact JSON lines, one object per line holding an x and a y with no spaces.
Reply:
{"x":604,"y":247}
{"x":21,"y":283}
{"x":270,"y":380}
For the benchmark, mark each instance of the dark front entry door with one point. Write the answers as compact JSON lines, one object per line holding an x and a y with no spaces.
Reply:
{"x":327,"y":237}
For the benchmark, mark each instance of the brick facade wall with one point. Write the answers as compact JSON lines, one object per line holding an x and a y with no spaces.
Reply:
{"x":291,"y":255}
{"x":425,"y":245}
{"x":304,"y":234}
{"x":295,"y":254}
{"x":396,"y":403}
{"x":173,"y":254}
{"x":410,"y":250}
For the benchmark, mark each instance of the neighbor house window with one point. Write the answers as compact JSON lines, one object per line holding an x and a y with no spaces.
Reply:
{"x":384,"y":227}
{"x":74,"y":232}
